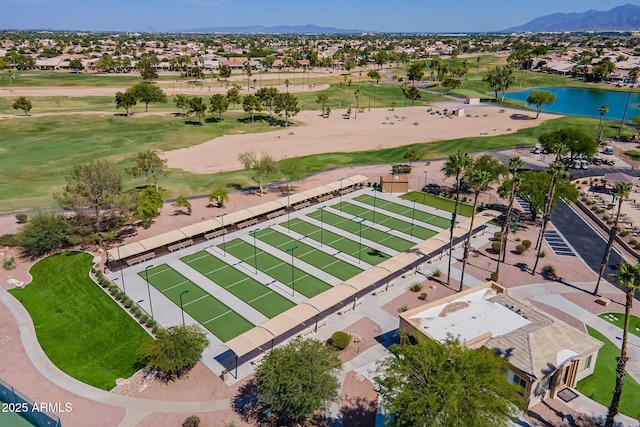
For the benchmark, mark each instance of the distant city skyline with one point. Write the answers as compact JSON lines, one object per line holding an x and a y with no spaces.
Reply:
{"x":372,"y":15}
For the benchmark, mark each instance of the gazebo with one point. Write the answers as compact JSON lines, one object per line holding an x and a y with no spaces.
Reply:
{"x":615,"y":177}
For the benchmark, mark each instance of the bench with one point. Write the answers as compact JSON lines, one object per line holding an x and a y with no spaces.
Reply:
{"x":215,"y":234}
{"x":603,"y":301}
{"x":246,"y":224}
{"x":348,"y":190}
{"x":276,"y":214}
{"x":325,"y":198}
{"x":141,"y":258}
{"x":180,"y":245}
{"x":301,"y":206}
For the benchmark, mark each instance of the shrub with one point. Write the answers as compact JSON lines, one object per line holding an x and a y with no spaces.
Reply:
{"x":9,"y":240}
{"x":526,"y":243}
{"x":137,"y":312}
{"x":143,"y":318}
{"x":404,"y":308}
{"x":154,"y":330}
{"x":594,"y":209}
{"x":624,"y":233}
{"x":340,"y":340}
{"x":416,"y":287}
{"x":423,"y":296}
{"x":637,"y":247}
{"x":9,"y":263}
{"x":633,"y":242}
{"x":104,"y":282}
{"x":128,"y":303}
{"x":192,"y":421}
{"x":549,"y":269}
{"x":517,"y":239}
{"x":113,"y":289}
{"x":437,"y":273}
{"x":495,"y":247}
{"x":497,"y":235}
{"x":22,"y":218}
{"x":520,"y":249}
{"x":150,"y":323}
{"x":542,"y":254}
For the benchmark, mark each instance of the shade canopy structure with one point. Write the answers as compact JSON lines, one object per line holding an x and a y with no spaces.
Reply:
{"x":615,"y":177}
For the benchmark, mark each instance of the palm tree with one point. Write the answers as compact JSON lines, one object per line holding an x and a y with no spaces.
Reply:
{"x":603,"y":110}
{"x":287,"y":83}
{"x":357,"y":95}
{"x":557,"y":171}
{"x":628,"y":277}
{"x":633,"y":75}
{"x":456,"y":164}
{"x":478,"y":180}
{"x":622,"y":191}
{"x":515,"y":163}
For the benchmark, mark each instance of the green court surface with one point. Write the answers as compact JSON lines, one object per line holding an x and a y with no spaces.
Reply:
{"x":254,"y":293}
{"x":421,"y":216}
{"x":375,"y":235}
{"x":336,"y":241}
{"x":223,"y":322}
{"x":13,"y":419}
{"x":388,"y":221}
{"x":319,"y":259}
{"x":437,"y":202}
{"x":307,"y":285}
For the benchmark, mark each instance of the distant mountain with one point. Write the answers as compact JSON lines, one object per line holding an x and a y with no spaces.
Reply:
{"x":281,"y":29}
{"x":621,"y":18}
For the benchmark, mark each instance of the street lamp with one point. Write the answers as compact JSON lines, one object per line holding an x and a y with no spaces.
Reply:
{"x":360,"y":248}
{"x":255,"y":251}
{"x":124,"y":289}
{"x":424,"y":193}
{"x":374,"y":204}
{"x":293,"y":277}
{"x":413,"y":214}
{"x":341,"y":179}
{"x":288,"y":214}
{"x":321,"y":209}
{"x":146,"y":276}
{"x":224,"y":246}
{"x":181,"y":308}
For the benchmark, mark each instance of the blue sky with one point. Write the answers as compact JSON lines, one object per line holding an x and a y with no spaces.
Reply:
{"x":381,"y":15}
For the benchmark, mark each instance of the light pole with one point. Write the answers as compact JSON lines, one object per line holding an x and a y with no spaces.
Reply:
{"x":288,"y":214}
{"x":413,"y":214}
{"x":124,"y":289}
{"x":293,"y":277}
{"x":181,"y":308}
{"x":321,"y":209}
{"x":224,"y":245}
{"x":146,"y":276}
{"x":341,"y":179}
{"x":424,"y":193}
{"x":255,"y":251}
{"x":360,"y":247}
{"x":374,"y":205}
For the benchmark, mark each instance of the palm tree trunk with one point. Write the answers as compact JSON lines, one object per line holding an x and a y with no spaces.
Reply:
{"x":545,"y":219}
{"x":467,"y":244}
{"x":453,"y":224}
{"x":626,"y":107}
{"x":502,"y":253}
{"x":607,"y":252}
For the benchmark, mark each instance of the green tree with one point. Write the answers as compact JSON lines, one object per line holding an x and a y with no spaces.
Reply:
{"x":183,"y":202}
{"x":148,"y":94}
{"x":233,"y":96}
{"x":534,"y":191}
{"x":126,"y":100}
{"x":621,"y":190}
{"x":106,"y":63}
{"x":412,"y":93}
{"x":182,"y":102}
{"x":540,"y":98}
{"x":565,"y":140}
{"x":267,"y":96}
{"x":374,"y":76}
{"x":446,"y":384}
{"x":412,"y":154}
{"x":220,"y":197}
{"x":224,"y":71}
{"x":197,"y":107}
{"x":455,"y":165}
{"x":499,"y":79}
{"x":149,"y":165}
{"x":287,"y":104}
{"x":251,"y":104}
{"x":349,"y":65}
{"x":415,"y":71}
{"x":45,"y":232}
{"x":509,"y":189}
{"x":94,"y":190}
{"x":150,"y":201}
{"x":451,"y":84}
{"x":628,"y":278}
{"x":258,"y":168}
{"x":219,"y":104}
{"x":292,"y":169}
{"x":298,"y":379}
{"x":146,"y":65}
{"x":604,"y":109}
{"x":22,"y":103}
{"x":322,"y":100}
{"x":76,"y":64}
{"x":174,"y":351}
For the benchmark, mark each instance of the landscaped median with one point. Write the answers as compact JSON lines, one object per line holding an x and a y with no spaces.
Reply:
{"x":80,"y":328}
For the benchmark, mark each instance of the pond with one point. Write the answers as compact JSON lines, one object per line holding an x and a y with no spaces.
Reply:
{"x":585,"y":102}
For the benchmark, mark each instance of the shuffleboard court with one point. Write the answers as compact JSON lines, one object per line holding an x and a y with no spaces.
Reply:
{"x":388,"y":221}
{"x":207,"y":310}
{"x":249,"y":290}
{"x":306,"y":284}
{"x":350,"y":247}
{"x":421,"y":216}
{"x":349,"y":225}
{"x":319,"y":259}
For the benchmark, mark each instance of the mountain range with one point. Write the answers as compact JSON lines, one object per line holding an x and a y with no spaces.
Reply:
{"x":281,"y":29}
{"x":621,"y":18}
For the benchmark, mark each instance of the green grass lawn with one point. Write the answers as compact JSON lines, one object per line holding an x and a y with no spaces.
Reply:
{"x":254,"y":293}
{"x":12,"y":419}
{"x":80,"y":328}
{"x":207,"y":310}
{"x":618,"y":320}
{"x":599,"y":386}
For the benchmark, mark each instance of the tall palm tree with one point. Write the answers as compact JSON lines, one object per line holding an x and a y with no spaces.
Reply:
{"x":628,"y":277}
{"x":357,"y":95}
{"x":602,"y":110}
{"x":456,"y":164}
{"x":478,"y":180}
{"x":557,"y":171}
{"x":633,"y":75}
{"x":622,"y":191}
{"x":515,"y":163}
